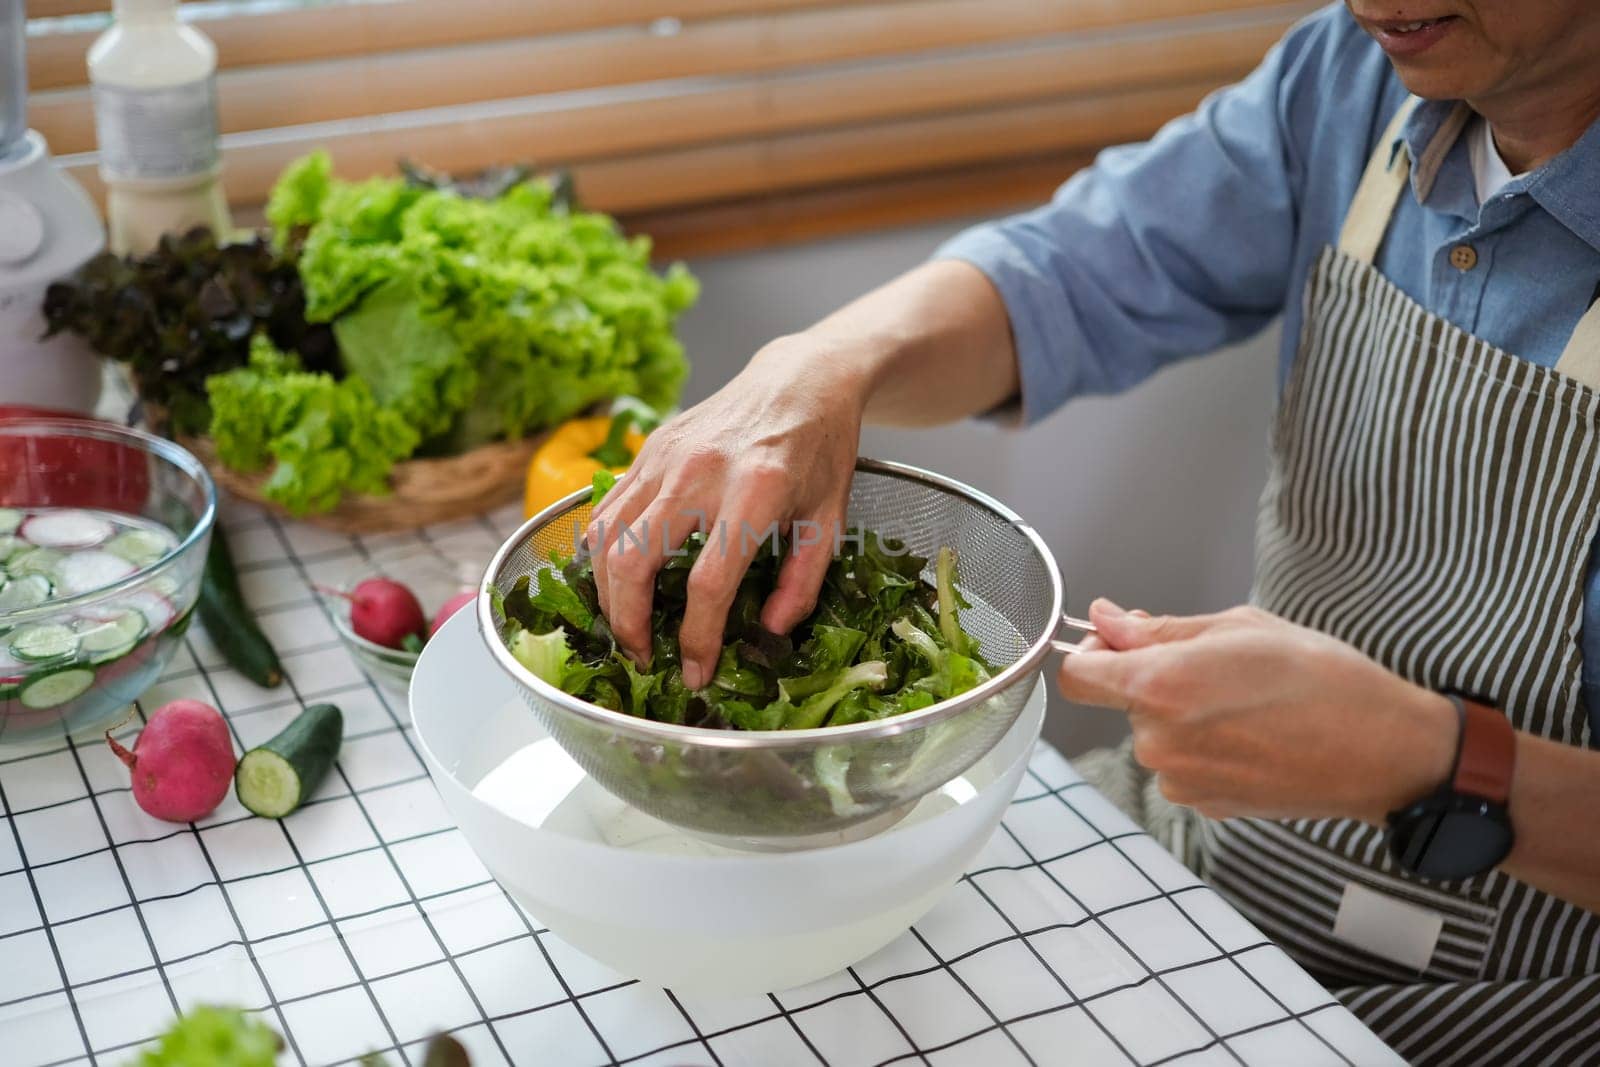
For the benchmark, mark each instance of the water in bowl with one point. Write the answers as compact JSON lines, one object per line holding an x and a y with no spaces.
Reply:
{"x":540,"y":786}
{"x":62,"y":670}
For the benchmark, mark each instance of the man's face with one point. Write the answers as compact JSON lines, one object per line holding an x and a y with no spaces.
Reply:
{"x":1478,"y":49}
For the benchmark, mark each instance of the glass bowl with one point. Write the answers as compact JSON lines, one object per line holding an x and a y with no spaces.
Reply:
{"x":71,"y":664}
{"x":427,"y":572}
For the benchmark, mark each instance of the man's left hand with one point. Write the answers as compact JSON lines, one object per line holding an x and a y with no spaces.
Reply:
{"x":1243,"y":713}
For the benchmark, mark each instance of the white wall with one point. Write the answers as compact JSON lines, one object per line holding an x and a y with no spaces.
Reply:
{"x":1148,"y":498}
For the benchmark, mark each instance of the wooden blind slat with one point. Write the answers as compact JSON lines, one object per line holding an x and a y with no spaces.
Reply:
{"x":658,"y":180}
{"x":768,"y":35}
{"x":788,"y":217}
{"x":697,"y":175}
{"x":780,"y":103}
{"x":365,"y":28}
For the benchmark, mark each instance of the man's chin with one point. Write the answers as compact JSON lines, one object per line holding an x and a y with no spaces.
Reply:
{"x":1432,"y":81}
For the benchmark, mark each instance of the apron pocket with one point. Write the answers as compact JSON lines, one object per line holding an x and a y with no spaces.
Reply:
{"x":1294,"y":889}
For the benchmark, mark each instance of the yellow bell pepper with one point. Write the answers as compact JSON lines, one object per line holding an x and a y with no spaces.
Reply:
{"x":578,"y":450}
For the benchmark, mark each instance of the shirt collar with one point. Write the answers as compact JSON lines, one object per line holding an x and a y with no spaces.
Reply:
{"x":1564,"y":186}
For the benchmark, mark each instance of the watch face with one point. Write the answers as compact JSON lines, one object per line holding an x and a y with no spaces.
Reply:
{"x":1456,"y":837}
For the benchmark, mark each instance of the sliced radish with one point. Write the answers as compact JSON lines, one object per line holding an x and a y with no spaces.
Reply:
{"x":83,"y":572}
{"x":66,"y":529}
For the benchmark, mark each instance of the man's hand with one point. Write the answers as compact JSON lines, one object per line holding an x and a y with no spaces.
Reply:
{"x":773,"y":447}
{"x":1243,"y":713}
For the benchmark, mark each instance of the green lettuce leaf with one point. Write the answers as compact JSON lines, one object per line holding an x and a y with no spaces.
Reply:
{"x":214,"y":1037}
{"x":322,"y":438}
{"x":549,"y":310}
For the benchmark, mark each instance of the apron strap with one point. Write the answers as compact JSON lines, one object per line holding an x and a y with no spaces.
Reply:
{"x":1581,"y":360}
{"x":1387,"y":173}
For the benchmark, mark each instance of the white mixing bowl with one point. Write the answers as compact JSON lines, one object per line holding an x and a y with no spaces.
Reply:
{"x":654,"y":903}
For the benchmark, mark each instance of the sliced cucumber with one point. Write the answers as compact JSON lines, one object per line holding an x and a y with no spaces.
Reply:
{"x":66,"y":529}
{"x":139,"y":547}
{"x":10,"y":519}
{"x":10,"y":544}
{"x":55,"y":687}
{"x":27,"y":591}
{"x":83,"y":572}
{"x":277,"y":777}
{"x":43,"y":642}
{"x":157,"y":610}
{"x":112,"y":637}
{"x":43,"y":561}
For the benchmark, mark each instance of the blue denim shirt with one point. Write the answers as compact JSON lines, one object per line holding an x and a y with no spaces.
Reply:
{"x":1206,"y":233}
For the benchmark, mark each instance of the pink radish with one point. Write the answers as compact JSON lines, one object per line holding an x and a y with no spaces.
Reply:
{"x":451,"y":606}
{"x":182,"y":764}
{"x":383,"y":611}
{"x":65,"y":529}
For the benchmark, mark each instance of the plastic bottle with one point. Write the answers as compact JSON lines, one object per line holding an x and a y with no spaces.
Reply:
{"x":155,"y":115}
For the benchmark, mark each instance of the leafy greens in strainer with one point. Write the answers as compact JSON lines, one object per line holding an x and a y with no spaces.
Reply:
{"x":881,"y":642}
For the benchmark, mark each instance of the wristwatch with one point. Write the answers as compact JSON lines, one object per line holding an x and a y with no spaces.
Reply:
{"x":1463,"y":828}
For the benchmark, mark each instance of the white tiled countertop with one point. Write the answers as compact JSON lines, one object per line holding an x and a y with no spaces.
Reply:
{"x":363,"y":921}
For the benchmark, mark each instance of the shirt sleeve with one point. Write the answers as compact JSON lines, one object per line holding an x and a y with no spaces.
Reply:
{"x":1161,"y":250}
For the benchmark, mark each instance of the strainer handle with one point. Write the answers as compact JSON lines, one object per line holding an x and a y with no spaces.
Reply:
{"x":1071,"y":623}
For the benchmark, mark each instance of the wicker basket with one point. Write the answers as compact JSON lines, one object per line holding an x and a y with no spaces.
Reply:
{"x":424,"y":491}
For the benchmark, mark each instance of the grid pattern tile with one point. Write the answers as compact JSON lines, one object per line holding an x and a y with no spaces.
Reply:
{"x":364,"y":923}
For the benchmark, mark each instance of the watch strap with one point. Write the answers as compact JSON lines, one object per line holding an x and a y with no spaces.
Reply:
{"x":1487,"y":752}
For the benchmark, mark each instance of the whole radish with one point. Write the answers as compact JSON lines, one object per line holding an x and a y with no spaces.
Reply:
{"x":451,"y":606}
{"x":384,"y":612}
{"x":182,"y":764}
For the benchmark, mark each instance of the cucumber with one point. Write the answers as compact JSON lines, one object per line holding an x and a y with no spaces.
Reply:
{"x":10,"y":544}
{"x":112,"y":637}
{"x":10,"y":519}
{"x":43,"y":642}
{"x":228,"y":621}
{"x":275,"y":778}
{"x":25,"y":591}
{"x":139,"y":547}
{"x":44,"y":561}
{"x":55,"y":688}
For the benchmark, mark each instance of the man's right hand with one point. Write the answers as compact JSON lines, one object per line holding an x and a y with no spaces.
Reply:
{"x":775,"y":446}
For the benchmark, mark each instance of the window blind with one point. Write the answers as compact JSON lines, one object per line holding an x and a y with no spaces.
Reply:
{"x":697,"y":115}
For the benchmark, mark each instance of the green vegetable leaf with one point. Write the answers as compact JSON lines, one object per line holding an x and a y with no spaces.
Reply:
{"x":846,"y":663}
{"x":408,"y":357}
{"x":813,"y":711}
{"x":214,"y":1037}
{"x":950,"y":602}
{"x":546,"y":654}
{"x":323,"y":438}
{"x":604,"y":481}
{"x":548,"y":309}
{"x":185,"y":311}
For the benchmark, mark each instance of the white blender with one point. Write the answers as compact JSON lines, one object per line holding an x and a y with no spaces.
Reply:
{"x":48,"y":228}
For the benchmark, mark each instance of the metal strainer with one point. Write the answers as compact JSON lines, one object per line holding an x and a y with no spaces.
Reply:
{"x":787,"y":789}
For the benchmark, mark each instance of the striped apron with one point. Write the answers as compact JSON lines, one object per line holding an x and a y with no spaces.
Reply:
{"x":1432,"y":500}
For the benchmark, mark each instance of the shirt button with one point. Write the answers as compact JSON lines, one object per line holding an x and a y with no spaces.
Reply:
{"x":1463,"y":257}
